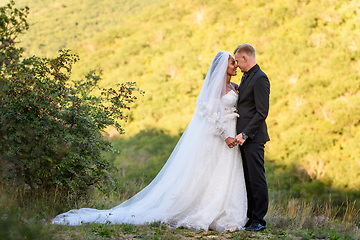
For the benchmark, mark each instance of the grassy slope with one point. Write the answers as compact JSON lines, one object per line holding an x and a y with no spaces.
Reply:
{"x":56,"y":25}
{"x":308,"y":49}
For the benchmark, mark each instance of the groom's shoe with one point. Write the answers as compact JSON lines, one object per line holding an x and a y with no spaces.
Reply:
{"x":248,"y":223}
{"x":255,"y":227}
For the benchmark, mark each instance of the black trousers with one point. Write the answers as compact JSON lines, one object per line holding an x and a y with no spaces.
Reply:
{"x":256,"y":186}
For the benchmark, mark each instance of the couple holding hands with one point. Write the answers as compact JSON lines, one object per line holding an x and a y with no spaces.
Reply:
{"x":208,"y":182}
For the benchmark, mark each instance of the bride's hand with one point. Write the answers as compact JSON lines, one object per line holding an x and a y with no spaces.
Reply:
{"x":231,"y":142}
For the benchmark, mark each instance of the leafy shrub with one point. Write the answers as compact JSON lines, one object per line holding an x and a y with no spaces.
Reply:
{"x":51,"y":126}
{"x":14,"y":226}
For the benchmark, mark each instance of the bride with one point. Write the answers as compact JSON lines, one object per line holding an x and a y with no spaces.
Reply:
{"x":201,"y":186}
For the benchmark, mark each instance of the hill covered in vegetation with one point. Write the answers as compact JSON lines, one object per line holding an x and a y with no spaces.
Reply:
{"x":309,"y":50}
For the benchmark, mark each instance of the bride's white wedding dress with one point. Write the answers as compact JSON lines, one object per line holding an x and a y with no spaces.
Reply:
{"x":201,"y":186}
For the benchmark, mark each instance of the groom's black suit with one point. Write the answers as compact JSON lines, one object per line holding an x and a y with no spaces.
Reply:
{"x":253,"y":108}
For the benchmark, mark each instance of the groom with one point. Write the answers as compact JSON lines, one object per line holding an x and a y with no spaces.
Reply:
{"x":253,"y":108}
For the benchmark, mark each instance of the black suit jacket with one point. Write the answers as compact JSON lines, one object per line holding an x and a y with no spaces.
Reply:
{"x":253,"y":106}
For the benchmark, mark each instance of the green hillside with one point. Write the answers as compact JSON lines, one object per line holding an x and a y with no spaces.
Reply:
{"x":309,"y":50}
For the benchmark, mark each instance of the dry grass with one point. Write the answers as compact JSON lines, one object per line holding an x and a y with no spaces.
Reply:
{"x":315,"y":221}
{"x":23,"y":216}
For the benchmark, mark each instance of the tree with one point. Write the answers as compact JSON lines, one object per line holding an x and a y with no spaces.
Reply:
{"x":50,"y":125}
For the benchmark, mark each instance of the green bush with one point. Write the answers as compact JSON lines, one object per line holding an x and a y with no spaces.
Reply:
{"x":14,"y":226}
{"x":51,"y":126}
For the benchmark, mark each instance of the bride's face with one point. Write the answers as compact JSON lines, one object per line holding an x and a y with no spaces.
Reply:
{"x":231,"y":69}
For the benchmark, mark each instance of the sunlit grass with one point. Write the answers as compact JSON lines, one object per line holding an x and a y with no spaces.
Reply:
{"x":313,"y":220}
{"x":28,"y":217}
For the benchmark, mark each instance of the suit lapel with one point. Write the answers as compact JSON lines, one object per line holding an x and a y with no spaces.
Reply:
{"x":246,"y":82}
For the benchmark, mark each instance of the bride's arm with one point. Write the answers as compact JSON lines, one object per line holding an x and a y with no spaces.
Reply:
{"x":223,"y":133}
{"x":230,"y":141}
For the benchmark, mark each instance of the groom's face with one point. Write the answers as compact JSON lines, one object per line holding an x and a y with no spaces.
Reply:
{"x":240,"y":61}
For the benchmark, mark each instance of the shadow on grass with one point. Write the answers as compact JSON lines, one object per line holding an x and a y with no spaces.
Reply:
{"x":143,"y":155}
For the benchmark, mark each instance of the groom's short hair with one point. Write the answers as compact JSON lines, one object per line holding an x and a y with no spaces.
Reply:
{"x":245,"y":48}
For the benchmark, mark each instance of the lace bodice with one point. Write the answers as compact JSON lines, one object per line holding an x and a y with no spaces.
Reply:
{"x":229,"y":100}
{"x":225,"y":128}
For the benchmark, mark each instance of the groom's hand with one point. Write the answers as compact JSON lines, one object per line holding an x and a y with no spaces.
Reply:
{"x":231,"y":142}
{"x":239,"y":139}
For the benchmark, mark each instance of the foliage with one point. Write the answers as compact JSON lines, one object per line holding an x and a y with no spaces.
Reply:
{"x":13,"y":226}
{"x":308,"y":49}
{"x":51,"y":126}
{"x":12,"y":23}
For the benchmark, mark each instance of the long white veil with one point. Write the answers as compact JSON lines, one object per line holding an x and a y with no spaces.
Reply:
{"x":177,"y":190}
{"x":209,"y":104}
